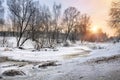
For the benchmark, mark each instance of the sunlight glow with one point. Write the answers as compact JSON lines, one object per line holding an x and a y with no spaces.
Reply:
{"x":94,"y":29}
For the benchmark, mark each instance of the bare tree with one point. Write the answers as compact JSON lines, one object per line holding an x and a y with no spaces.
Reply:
{"x":84,"y":25}
{"x":2,"y":22}
{"x":35,"y":23}
{"x":40,"y":27}
{"x":2,"y":12}
{"x":56,"y":21}
{"x":70,"y":19}
{"x":22,"y":10}
{"x":115,"y":16}
{"x":46,"y":24}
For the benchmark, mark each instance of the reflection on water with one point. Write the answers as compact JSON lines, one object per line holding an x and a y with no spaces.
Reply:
{"x":76,"y":55}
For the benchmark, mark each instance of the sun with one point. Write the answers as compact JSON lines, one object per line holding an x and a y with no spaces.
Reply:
{"x":94,"y":29}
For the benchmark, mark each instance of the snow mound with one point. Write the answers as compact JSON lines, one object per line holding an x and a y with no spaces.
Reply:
{"x":13,"y":73}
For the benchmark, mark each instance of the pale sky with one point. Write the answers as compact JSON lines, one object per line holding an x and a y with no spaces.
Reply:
{"x":97,"y":9}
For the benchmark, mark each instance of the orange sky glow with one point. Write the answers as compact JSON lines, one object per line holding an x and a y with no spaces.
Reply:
{"x":97,"y":9}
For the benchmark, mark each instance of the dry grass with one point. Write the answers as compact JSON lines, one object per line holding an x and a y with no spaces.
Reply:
{"x":104,"y":59}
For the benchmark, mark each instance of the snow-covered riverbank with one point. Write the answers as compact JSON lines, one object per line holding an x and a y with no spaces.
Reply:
{"x":89,"y":61}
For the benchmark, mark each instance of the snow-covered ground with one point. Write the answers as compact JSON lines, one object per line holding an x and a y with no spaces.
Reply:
{"x":86,"y":51}
{"x":87,"y":61}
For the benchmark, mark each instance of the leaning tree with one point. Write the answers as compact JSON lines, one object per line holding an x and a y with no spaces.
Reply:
{"x":21,"y":14}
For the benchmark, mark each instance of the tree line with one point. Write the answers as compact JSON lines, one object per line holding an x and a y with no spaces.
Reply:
{"x":29,"y":18}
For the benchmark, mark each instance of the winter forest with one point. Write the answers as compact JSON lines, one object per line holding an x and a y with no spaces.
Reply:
{"x":59,"y":40}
